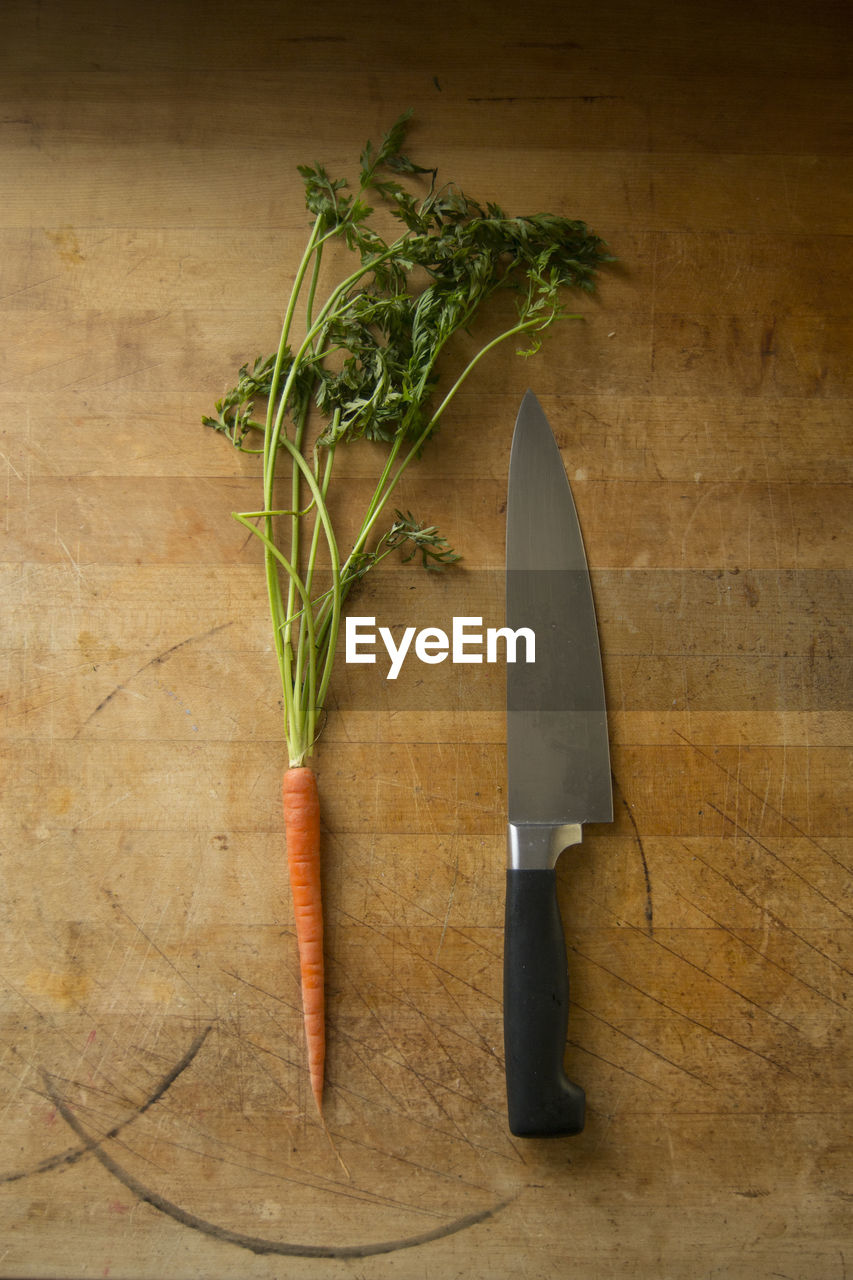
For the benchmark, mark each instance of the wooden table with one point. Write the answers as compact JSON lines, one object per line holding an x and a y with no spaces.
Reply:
{"x":156,"y":1119}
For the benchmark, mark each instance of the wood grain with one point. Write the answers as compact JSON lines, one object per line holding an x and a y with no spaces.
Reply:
{"x":156,"y":1118}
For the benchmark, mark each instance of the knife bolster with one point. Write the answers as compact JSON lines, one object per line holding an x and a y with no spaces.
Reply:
{"x":533,"y":846}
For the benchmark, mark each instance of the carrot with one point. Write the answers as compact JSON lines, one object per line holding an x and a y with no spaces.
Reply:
{"x":302,"y":833}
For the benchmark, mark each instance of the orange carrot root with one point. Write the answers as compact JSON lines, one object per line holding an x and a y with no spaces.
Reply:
{"x":302,"y":833}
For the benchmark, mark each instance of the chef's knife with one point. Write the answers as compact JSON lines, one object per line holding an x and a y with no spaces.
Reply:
{"x":558,"y":765}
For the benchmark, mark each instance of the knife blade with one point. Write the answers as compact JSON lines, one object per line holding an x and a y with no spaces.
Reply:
{"x":558,"y":769}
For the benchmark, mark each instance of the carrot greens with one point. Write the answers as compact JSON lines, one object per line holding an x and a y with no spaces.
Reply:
{"x":366,"y":360}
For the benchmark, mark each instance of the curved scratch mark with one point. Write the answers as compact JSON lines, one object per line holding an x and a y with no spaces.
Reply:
{"x":648,"y":912}
{"x":89,"y":1144}
{"x":156,"y":661}
{"x":256,"y":1244}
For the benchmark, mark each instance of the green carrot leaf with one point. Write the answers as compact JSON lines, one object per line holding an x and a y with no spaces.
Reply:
{"x":370,"y":367}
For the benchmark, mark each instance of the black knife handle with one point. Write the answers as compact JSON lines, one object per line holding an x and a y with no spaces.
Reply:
{"x":542,"y":1101}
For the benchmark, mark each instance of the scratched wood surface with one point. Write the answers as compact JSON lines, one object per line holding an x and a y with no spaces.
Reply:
{"x":155,"y":1114}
